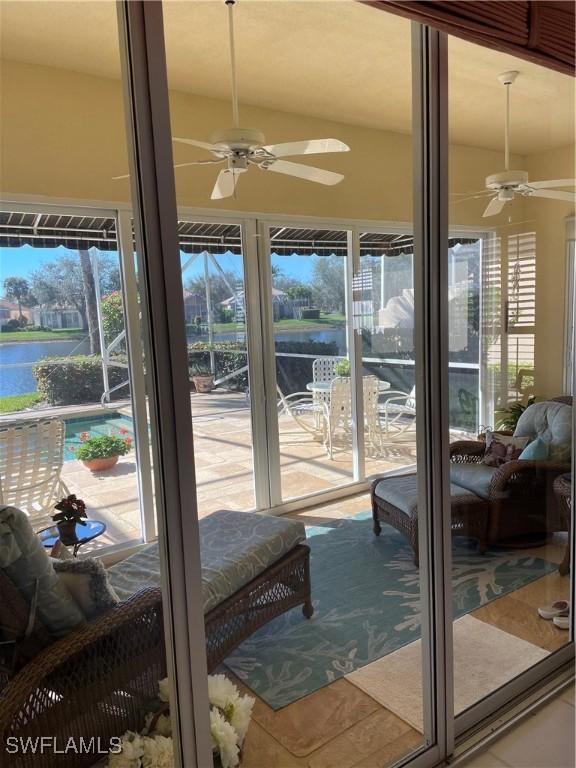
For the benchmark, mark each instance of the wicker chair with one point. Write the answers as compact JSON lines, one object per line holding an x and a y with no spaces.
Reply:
{"x":31,"y":459}
{"x":96,"y":681}
{"x":520,"y":494}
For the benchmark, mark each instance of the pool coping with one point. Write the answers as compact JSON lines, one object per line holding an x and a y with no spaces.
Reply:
{"x":64,"y":412}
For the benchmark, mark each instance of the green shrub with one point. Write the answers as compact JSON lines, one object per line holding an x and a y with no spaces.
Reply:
{"x":77,"y":379}
{"x":112,"y":316}
{"x":310,"y":313}
{"x":11,"y":325}
{"x":228,"y":358}
{"x":292,"y":373}
{"x":103,"y":447}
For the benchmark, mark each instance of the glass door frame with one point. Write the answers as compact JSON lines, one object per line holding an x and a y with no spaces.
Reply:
{"x":149,"y":136}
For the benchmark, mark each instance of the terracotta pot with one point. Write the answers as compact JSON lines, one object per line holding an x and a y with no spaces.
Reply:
{"x":99,"y":465}
{"x":203,"y":383}
{"x":67,"y":532}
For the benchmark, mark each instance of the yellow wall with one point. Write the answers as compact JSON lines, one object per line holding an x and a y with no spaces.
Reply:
{"x":63,"y":137}
{"x":550,"y":226}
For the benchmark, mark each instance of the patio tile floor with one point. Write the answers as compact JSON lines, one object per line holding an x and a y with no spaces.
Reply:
{"x":223,"y":461}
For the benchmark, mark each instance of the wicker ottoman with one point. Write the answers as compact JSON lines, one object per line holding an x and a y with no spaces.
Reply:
{"x":254,"y":568}
{"x":395,"y":501}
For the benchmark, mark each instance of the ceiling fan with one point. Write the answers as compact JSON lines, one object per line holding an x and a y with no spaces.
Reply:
{"x":238,"y":148}
{"x":503,"y":186}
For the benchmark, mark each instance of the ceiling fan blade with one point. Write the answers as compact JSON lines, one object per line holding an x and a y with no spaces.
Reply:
{"x":471,"y":197}
{"x":311,"y":147}
{"x":494,"y":207}
{"x":201,"y":144}
{"x":552,"y":183}
{"x":225,"y":184}
{"x":201,"y":162}
{"x":555,"y":194}
{"x":180,"y":165}
{"x":307,"y":172}
{"x":470,"y":194}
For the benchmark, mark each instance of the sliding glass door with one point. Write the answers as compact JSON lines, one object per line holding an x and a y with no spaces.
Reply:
{"x":510,"y":459}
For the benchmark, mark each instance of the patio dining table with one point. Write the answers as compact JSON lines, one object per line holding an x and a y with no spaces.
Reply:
{"x":324,"y":386}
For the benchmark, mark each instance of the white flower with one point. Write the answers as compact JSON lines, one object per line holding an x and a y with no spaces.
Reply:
{"x":164,"y":690}
{"x":224,"y":739}
{"x":158,"y":752}
{"x":221,"y":691}
{"x":132,"y":751}
{"x":241,"y":714}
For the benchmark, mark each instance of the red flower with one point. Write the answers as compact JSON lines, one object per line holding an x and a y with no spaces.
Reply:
{"x":84,"y":436}
{"x":124,"y":431}
{"x":128,"y":440}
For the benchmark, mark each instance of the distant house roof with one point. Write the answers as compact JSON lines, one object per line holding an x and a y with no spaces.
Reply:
{"x":7,"y":304}
{"x":276,"y":294}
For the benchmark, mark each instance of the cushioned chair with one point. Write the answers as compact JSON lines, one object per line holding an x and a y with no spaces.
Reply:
{"x":519,"y":493}
{"x":63,"y":676}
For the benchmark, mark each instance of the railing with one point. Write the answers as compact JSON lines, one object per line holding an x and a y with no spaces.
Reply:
{"x":464,"y":400}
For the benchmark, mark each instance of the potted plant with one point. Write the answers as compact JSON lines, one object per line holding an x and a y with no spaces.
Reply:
{"x":102,"y":451}
{"x":508,"y":417}
{"x":203,"y":378}
{"x":71,"y":512}
{"x":342,"y":367}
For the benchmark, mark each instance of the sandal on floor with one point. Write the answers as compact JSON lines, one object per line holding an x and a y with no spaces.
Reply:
{"x":562,"y":622}
{"x":559,"y":608}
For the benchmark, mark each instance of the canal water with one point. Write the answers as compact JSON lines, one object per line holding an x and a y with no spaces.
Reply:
{"x":17,"y":359}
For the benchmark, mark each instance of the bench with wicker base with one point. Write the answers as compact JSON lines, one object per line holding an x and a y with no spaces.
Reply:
{"x":395,"y":502}
{"x":98,"y":679}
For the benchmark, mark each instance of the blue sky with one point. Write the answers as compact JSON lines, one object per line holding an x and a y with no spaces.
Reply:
{"x":20,"y":262}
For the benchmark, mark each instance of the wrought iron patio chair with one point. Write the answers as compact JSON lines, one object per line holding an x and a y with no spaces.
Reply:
{"x":323,"y":371}
{"x":306,"y":413}
{"x":31,"y":459}
{"x":398,"y":411}
{"x":373,"y":430}
{"x":337,"y":413}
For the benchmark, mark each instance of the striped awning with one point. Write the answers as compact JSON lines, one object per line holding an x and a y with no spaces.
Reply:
{"x":49,"y":230}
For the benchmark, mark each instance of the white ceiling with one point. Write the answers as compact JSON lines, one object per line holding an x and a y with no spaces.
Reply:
{"x":335,"y":59}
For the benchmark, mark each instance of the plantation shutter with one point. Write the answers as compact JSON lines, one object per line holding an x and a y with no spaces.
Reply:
{"x":521,"y":312}
{"x":541,"y":31}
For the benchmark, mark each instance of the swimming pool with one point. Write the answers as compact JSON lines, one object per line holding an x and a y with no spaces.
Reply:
{"x":113,"y":423}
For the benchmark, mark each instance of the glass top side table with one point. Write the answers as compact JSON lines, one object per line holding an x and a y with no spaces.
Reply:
{"x":84,"y":534}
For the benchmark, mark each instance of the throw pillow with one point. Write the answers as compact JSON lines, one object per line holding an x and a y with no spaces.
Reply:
{"x":87,"y":582}
{"x":27,"y":565}
{"x":537,"y":450}
{"x":502,"y":448}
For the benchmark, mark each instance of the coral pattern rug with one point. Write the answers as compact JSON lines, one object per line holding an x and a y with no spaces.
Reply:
{"x":366,"y":595}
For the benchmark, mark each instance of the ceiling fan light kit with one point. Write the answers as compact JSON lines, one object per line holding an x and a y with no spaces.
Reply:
{"x":502,"y":187}
{"x":239,"y":148}
{"x":506,"y":184}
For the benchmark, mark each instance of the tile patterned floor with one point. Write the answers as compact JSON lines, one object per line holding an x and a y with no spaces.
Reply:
{"x":543,"y":740}
{"x":338,"y":726}
{"x":224,"y":466}
{"x":320,"y":731}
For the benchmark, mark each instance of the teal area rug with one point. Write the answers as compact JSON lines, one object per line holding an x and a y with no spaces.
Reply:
{"x":366,"y":596}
